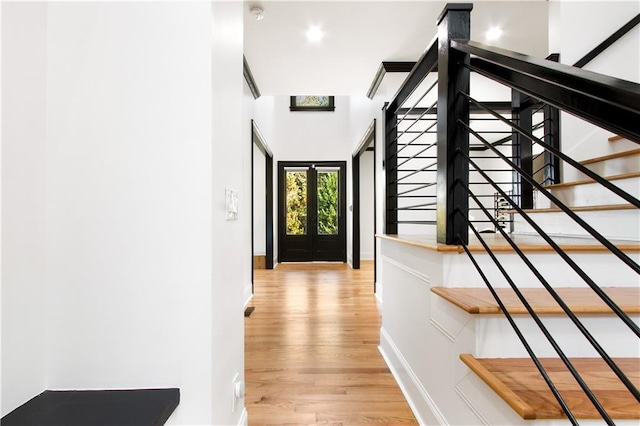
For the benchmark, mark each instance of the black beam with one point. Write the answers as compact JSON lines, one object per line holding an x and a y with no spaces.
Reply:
{"x":453,"y":169}
{"x":608,"y":102}
{"x":425,"y":64}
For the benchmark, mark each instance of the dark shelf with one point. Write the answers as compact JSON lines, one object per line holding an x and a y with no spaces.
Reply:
{"x":137,"y":407}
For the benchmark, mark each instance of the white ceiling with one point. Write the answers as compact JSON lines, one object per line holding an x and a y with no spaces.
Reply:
{"x":359,"y":35}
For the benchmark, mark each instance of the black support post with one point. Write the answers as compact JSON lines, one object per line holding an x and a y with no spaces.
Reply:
{"x":521,"y":114}
{"x":355,"y":213}
{"x":453,"y":169}
{"x":552,"y":137}
{"x":269,"y":209}
{"x":390,"y":161}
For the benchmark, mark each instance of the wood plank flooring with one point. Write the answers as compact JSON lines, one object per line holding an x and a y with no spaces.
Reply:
{"x":311,"y":350}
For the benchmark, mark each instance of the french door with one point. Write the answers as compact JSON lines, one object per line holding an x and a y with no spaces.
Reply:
{"x":311,"y":211}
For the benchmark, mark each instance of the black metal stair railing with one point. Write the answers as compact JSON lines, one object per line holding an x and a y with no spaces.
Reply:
{"x":411,"y":153}
{"x":539,"y":84}
{"x":410,"y":149}
{"x":480,"y":171}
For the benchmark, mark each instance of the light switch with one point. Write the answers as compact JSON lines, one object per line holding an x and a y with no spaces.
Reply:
{"x":231,"y":198}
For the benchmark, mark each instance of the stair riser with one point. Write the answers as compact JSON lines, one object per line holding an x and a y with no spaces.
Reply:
{"x":496,"y":339}
{"x":615,"y":166}
{"x":613,"y":224}
{"x":591,"y":194}
{"x":458,"y":271}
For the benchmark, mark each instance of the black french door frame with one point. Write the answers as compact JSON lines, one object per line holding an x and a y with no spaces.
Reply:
{"x":316,"y":247}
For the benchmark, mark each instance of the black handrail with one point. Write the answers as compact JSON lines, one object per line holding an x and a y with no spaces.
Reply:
{"x":427,"y":63}
{"x":608,"y":102}
{"x":608,"y":42}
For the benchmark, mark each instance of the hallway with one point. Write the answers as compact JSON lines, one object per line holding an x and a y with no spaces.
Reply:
{"x":311,"y":349}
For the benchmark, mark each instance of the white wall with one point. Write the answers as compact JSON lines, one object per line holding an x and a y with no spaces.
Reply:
{"x":247,"y":144}
{"x":23,"y":202}
{"x":309,"y":135}
{"x":143,"y":114}
{"x":231,"y":160}
{"x":366,"y":206}
{"x":259,"y":194}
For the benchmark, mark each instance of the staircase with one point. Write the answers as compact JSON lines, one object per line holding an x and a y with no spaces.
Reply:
{"x":496,"y":316}
{"x":457,"y":358}
{"x":498,"y":358}
{"x":454,"y":352}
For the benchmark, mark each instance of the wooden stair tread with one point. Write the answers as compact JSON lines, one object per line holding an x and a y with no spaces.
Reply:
{"x":602,"y":207}
{"x":580,"y":300}
{"x":519,"y":383}
{"x":621,"y":154}
{"x":497,"y":243}
{"x":615,"y":138}
{"x":587,"y":181}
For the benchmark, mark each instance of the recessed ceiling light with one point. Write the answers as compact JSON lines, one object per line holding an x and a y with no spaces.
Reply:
{"x":314,"y":34}
{"x":493,"y":34}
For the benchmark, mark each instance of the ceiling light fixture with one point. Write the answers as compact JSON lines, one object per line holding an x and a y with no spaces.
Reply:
{"x":314,"y":34}
{"x":493,"y":34}
{"x":257,"y":13}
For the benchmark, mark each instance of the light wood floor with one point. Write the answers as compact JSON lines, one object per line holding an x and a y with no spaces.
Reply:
{"x":311,"y":350}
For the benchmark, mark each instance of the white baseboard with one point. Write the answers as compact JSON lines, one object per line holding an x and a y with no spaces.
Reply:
{"x":247,"y":294}
{"x":244,"y":418}
{"x":366,"y":256}
{"x":420,"y":402}
{"x":246,"y":302}
{"x":379,"y":299}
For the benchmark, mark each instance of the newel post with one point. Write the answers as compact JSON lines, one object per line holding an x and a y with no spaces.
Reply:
{"x":453,"y":169}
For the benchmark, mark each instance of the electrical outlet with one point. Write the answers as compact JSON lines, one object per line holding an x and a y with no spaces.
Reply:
{"x":238,"y":391}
